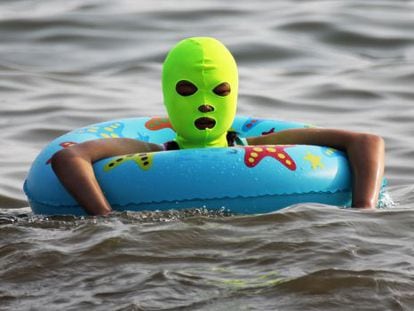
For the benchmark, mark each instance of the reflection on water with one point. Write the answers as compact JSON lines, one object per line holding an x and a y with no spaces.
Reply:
{"x":338,"y":64}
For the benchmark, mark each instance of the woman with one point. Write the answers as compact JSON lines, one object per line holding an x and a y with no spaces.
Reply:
{"x":200,"y":85}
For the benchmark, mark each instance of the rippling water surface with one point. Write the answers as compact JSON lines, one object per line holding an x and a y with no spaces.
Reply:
{"x":342,"y":64}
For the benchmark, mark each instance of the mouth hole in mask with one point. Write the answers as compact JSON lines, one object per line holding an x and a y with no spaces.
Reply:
{"x":185,"y":88}
{"x":205,"y":123}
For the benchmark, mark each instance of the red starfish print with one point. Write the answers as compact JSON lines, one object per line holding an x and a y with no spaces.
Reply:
{"x":254,"y":154}
{"x":158,"y":123}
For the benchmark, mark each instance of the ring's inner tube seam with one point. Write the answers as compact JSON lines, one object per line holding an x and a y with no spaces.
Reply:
{"x":55,"y":204}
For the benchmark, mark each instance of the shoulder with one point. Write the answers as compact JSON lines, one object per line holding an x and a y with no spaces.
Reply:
{"x":233,"y":139}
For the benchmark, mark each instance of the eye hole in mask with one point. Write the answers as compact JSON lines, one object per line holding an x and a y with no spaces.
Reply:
{"x":223,"y":89}
{"x":185,"y":88}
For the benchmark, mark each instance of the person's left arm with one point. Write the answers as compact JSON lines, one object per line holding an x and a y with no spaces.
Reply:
{"x":365,"y":153}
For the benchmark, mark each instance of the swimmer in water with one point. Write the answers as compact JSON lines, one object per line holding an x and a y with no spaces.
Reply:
{"x":200,"y":86}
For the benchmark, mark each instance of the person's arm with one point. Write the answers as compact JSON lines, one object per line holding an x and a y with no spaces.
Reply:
{"x":73,"y":166}
{"x":365,"y":153}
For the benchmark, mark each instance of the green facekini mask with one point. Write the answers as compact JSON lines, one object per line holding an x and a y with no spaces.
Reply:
{"x":200,"y":84}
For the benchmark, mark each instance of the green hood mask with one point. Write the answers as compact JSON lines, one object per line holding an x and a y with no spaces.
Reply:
{"x":200,"y":84}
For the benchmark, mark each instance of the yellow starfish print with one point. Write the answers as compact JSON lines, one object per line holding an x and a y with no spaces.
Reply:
{"x":144,"y":161}
{"x":330,"y":151}
{"x":107,"y":131}
{"x":314,"y":160}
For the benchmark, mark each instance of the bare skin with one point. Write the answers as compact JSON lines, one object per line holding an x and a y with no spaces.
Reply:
{"x":73,"y":166}
{"x":365,"y":152}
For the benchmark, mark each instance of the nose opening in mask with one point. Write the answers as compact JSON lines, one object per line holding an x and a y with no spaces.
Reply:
{"x":206,"y":108}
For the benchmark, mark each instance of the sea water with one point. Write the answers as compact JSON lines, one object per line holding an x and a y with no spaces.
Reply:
{"x":336,"y":64}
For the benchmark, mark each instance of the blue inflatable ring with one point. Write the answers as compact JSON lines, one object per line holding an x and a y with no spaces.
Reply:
{"x":242,"y":179}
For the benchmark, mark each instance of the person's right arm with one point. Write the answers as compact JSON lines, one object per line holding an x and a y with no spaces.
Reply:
{"x":73,"y":167}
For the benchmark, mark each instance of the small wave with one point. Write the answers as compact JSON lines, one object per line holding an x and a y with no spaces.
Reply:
{"x":253,"y":52}
{"x":349,"y":38}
